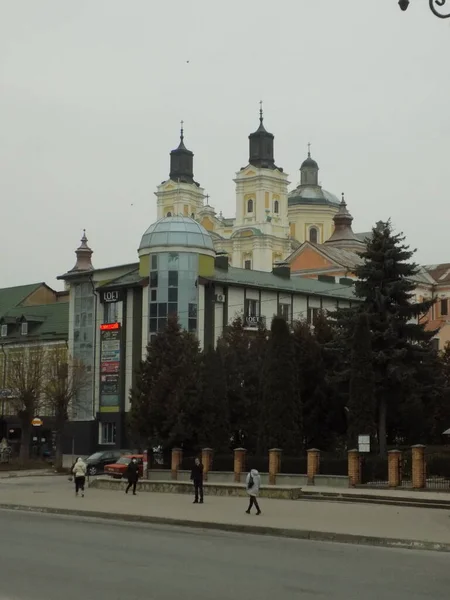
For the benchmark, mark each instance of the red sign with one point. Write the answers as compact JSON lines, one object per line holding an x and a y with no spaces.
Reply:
{"x":109,"y":326}
{"x":110,"y":367}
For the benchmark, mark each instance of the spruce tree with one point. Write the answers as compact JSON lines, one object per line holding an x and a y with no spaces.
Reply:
{"x":212,"y":419}
{"x":280,"y":411}
{"x":242,"y":354}
{"x":361,"y":404}
{"x":164,"y":401}
{"x":385,"y":286}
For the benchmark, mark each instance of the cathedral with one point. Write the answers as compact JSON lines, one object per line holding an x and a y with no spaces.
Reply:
{"x":270,"y":222}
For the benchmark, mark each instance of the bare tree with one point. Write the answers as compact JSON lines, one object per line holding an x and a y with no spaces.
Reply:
{"x":64,"y":378}
{"x":26,"y":368}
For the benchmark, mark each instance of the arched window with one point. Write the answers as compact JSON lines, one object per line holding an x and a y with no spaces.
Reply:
{"x":313,"y":235}
{"x":250,"y":206}
{"x":276,"y":207}
{"x":169,"y":214}
{"x":192,"y":216}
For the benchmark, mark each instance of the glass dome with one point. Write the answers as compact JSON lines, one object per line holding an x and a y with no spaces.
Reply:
{"x":176,"y":231}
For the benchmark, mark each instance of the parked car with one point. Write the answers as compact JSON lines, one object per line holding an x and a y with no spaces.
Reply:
{"x":119,"y":468}
{"x":97,"y":461}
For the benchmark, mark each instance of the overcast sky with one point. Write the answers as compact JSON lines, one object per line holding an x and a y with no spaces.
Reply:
{"x":92,"y":93}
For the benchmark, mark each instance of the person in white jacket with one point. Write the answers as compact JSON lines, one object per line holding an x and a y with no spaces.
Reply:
{"x":79,"y":475}
{"x":253,"y":484}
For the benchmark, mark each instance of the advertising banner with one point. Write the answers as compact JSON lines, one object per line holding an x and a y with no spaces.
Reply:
{"x":110,"y":355}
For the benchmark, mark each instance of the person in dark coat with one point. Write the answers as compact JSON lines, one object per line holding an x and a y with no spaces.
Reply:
{"x":197,"y":480}
{"x":132,"y":475}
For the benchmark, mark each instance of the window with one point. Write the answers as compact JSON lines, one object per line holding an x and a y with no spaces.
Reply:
{"x":248,"y":264}
{"x":107,"y":433}
{"x":192,"y":216}
{"x":173,"y":278}
{"x":284,"y":311}
{"x":24,"y":328}
{"x":4,"y":331}
{"x":276,"y":207}
{"x":154,"y":279}
{"x":250,"y":206}
{"x":154,"y":262}
{"x":435,"y":344}
{"x":251,"y":308}
{"x":169,"y":214}
{"x":444,"y":307}
{"x":313,"y":313}
{"x":313,"y":235}
{"x":111,"y":312}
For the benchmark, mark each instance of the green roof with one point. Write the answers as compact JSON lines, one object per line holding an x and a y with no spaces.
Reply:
{"x":45,"y":322}
{"x":14,"y":296}
{"x":270,"y":281}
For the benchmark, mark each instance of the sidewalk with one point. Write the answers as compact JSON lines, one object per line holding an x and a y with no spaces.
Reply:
{"x":354,"y":523}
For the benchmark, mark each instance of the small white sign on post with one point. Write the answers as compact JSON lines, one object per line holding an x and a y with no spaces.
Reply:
{"x":364,"y":443}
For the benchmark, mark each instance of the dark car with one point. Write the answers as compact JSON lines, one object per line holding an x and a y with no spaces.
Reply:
{"x":97,"y":461}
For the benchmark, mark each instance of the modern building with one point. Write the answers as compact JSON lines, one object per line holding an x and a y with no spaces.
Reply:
{"x":115,"y":312}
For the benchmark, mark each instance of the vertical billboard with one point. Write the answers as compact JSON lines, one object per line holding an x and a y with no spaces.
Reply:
{"x":110,"y":352}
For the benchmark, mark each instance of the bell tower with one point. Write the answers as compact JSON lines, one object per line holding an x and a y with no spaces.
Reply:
{"x":180,"y":194}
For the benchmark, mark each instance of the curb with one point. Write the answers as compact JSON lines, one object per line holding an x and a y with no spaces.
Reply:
{"x":299,"y":534}
{"x":367,"y":499}
{"x":14,"y":474}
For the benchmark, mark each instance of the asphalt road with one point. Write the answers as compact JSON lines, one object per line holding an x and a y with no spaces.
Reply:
{"x":51,"y":557}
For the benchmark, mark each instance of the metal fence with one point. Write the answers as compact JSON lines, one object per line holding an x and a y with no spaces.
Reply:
{"x":333,"y":465}
{"x":374,"y":471}
{"x":295,"y":465}
{"x":437,"y":471}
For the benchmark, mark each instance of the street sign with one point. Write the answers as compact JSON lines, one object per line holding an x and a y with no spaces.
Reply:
{"x":36,"y":422}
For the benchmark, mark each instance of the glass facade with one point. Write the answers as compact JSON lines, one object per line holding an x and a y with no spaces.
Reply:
{"x":83,"y":345}
{"x":173,"y":290}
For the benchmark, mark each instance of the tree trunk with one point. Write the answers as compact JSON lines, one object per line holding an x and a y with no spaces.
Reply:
{"x":24,"y":455}
{"x":382,"y":417}
{"x":58,"y":450}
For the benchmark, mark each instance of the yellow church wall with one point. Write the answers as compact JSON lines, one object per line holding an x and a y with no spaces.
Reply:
{"x":207,"y":224}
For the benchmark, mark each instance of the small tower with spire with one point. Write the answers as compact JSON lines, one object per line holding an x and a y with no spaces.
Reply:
{"x":343,"y":236}
{"x":182,"y":162}
{"x":84,"y":256}
{"x":309,"y":171}
{"x":261,"y":145}
{"x":180,"y":194}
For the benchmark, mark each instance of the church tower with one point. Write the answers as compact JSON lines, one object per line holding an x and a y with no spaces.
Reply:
{"x":261,"y":229}
{"x":180,"y":194}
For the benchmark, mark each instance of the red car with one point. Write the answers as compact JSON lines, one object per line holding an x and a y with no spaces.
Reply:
{"x":119,"y":468}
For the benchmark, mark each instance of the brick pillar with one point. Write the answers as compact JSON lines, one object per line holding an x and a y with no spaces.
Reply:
{"x":313,"y":464}
{"x":239,"y":463}
{"x":394,"y":468}
{"x":207,"y":456}
{"x":274,"y":464}
{"x":354,"y":468}
{"x":177,"y":457}
{"x":419,"y":480}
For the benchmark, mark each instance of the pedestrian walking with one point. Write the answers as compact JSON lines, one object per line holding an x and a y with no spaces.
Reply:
{"x":197,"y":480}
{"x":79,"y":474}
{"x":253,"y":484}
{"x":132,"y":475}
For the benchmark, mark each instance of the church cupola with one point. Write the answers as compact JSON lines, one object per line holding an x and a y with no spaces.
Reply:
{"x":343,"y":235}
{"x":84,"y":256}
{"x":261,"y":147}
{"x":309,"y":171}
{"x":182,"y":162}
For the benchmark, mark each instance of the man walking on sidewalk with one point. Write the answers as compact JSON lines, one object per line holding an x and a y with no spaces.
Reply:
{"x":132,"y":475}
{"x":197,"y":479}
